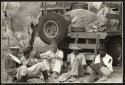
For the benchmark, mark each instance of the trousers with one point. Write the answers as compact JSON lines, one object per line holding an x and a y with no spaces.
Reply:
{"x":105,"y":71}
{"x":77,"y":66}
{"x":31,"y":72}
{"x":54,"y":65}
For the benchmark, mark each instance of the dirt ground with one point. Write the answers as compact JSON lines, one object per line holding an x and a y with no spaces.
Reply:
{"x":40,"y":46}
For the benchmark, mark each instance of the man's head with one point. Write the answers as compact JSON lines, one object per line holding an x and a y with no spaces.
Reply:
{"x":15,"y":50}
{"x":76,"y":52}
{"x":75,"y":49}
{"x":53,"y":46}
{"x":26,"y":52}
{"x":35,"y":54}
{"x":102,"y":51}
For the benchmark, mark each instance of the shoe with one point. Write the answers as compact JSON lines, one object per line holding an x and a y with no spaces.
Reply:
{"x":47,"y":81}
{"x":73,"y":78}
{"x":49,"y":74}
{"x":54,"y":75}
{"x":104,"y":78}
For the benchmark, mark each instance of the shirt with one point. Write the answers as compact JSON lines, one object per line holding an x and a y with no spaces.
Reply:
{"x":107,"y":59}
{"x":71,"y":58}
{"x":49,"y":53}
{"x":29,"y":62}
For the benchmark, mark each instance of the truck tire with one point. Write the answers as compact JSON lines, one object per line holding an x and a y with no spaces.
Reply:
{"x":115,"y":50}
{"x":52,"y":27}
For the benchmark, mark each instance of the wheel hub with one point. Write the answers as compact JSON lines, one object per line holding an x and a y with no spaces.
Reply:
{"x":50,"y":29}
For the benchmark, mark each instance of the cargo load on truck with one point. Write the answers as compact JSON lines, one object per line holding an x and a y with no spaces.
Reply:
{"x":90,"y":21}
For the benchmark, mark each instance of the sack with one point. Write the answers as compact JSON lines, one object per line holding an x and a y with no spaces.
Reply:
{"x":81,"y":17}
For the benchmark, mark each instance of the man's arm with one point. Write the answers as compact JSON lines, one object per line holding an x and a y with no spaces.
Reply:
{"x":15,"y":58}
{"x":68,"y":59}
{"x":59,"y":55}
{"x":24,"y":61}
{"x":32,"y":61}
{"x":96,"y":62}
{"x":30,"y":43}
{"x":45,"y":55}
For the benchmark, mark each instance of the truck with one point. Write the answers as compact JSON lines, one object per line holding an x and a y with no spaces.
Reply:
{"x":53,"y":26}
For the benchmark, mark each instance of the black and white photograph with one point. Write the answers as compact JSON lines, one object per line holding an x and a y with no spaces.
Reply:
{"x":61,"y":42}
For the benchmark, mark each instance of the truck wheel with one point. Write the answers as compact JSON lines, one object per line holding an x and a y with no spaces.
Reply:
{"x":52,"y":27}
{"x":115,"y":50}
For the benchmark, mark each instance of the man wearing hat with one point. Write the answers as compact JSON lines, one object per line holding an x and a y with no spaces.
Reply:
{"x":12,"y":62}
{"x":102,"y":65}
{"x":53,"y":60}
{"x":19,"y":70}
{"x":77,"y":62}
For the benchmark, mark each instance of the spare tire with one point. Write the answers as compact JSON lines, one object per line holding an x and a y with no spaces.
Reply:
{"x":52,"y":27}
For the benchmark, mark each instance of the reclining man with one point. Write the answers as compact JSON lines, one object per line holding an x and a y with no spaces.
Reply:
{"x":53,"y":60}
{"x":102,"y":65}
{"x":21,"y":71}
{"x":77,"y":62}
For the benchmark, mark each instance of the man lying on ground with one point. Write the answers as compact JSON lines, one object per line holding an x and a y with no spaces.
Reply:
{"x":21,"y":71}
{"x":102,"y":65}
{"x":53,"y":60}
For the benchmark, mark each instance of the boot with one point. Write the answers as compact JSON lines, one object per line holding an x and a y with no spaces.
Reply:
{"x":54,"y":75}
{"x":45,"y":75}
{"x":73,"y":78}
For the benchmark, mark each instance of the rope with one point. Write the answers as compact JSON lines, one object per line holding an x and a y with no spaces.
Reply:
{"x":97,"y":44}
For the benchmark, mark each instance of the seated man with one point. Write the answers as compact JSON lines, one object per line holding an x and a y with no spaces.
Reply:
{"x":102,"y":65}
{"x":53,"y":60}
{"x":77,"y":62}
{"x":19,"y":70}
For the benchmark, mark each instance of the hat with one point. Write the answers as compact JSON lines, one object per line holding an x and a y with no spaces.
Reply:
{"x":74,"y":47}
{"x":14,"y":47}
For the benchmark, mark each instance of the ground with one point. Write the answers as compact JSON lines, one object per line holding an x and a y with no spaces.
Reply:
{"x":39,"y":45}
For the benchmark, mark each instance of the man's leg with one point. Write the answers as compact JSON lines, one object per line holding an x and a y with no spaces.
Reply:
{"x":21,"y":75}
{"x":96,"y":68}
{"x":82,"y":66}
{"x":57,"y":67}
{"x":106,"y":73}
{"x":35,"y":71}
{"x":79,"y":65}
{"x":47,"y":64}
{"x":74,"y":69}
